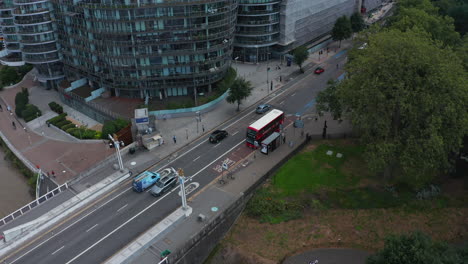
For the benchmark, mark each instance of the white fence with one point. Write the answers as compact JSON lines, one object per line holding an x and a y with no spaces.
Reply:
{"x":33,"y":204}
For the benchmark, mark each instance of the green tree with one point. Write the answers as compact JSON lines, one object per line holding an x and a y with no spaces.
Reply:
{"x":328,"y":101}
{"x":300,"y":55}
{"x":460,"y":15}
{"x":240,"y":90}
{"x":8,"y":75}
{"x":417,"y":248}
{"x":108,"y":129}
{"x":424,"y":5}
{"x":342,"y":29}
{"x":357,"y":22}
{"x":440,"y":28}
{"x":410,"y":108}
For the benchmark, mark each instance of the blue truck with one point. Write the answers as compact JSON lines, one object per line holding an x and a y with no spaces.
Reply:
{"x":146,"y":179}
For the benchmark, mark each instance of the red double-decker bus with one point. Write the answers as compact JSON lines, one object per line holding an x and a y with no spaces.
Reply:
{"x":264,"y":127}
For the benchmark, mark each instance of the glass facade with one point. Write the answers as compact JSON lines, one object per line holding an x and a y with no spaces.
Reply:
{"x":147,"y":48}
{"x":10,"y":36}
{"x":257,"y":29}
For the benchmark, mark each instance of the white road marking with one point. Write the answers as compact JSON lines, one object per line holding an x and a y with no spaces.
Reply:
{"x":196,"y":158}
{"x":91,"y":228}
{"x":122,"y":207}
{"x":53,"y":253}
{"x":282,"y":102}
{"x":151,"y":205}
{"x":116,"y":196}
{"x":235,"y":133}
{"x":216,"y":145}
{"x":293,"y":94}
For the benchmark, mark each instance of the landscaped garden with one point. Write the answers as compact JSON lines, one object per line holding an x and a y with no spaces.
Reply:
{"x":82,"y":132}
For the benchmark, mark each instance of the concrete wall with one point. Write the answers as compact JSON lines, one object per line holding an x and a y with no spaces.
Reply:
{"x":305,"y":20}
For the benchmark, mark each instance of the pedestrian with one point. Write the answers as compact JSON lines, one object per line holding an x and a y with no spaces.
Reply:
{"x":13,"y":124}
{"x":53,"y":174}
{"x":1,"y":109}
{"x":203,"y":128}
{"x":337,"y":66}
{"x":9,"y":108}
{"x":175,"y":139}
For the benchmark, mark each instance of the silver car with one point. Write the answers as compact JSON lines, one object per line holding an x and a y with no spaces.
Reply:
{"x":164,"y":184}
{"x":263,"y":108}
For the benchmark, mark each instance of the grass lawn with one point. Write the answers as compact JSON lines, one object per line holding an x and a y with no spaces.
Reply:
{"x":313,"y":179}
{"x":314,"y":169}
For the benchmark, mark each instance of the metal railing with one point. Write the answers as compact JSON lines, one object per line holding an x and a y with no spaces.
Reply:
{"x":33,"y":204}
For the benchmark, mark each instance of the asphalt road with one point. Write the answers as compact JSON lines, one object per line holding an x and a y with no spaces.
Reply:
{"x":95,"y":233}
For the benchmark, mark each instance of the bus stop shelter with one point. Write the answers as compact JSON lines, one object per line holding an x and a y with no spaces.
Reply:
{"x":270,"y":143}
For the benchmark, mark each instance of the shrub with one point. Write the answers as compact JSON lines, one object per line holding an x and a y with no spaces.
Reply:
{"x":56,"y":107}
{"x":89,"y":134}
{"x":30,"y":112}
{"x":21,"y":100}
{"x":62,"y":123}
{"x":111,"y":127}
{"x":67,"y":126}
{"x":56,"y":119}
{"x":71,"y":130}
{"x":98,"y":135}
{"x":8,"y":75}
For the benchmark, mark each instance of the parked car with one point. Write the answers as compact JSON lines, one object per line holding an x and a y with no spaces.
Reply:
{"x":218,"y":135}
{"x":319,"y":70}
{"x":164,"y":184}
{"x":262,"y":108}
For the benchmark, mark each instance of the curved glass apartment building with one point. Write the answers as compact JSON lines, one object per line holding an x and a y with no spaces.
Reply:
{"x":257,"y":30}
{"x":154,"y":48}
{"x":11,"y":55}
{"x":38,"y":42}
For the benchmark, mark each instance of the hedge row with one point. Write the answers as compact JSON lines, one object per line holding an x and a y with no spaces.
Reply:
{"x":61,"y":122}
{"x":56,"y":107}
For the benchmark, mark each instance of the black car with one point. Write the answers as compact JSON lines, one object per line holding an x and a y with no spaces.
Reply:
{"x":218,"y":135}
{"x":164,"y":184}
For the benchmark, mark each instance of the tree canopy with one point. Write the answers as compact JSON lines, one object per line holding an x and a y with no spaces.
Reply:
{"x":300,"y":55}
{"x":240,"y":90}
{"x":342,"y":29}
{"x":357,"y":22}
{"x":417,"y":248}
{"x":408,"y":99}
{"x":440,"y":28}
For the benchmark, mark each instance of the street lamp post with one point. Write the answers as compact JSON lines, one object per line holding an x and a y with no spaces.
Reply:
{"x":235,"y":62}
{"x":117,"y":150}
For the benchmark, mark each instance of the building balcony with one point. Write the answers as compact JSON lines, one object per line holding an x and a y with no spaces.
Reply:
{"x":53,"y":76}
{"x":7,"y":23}
{"x":258,"y":12}
{"x":28,"y":2}
{"x":38,"y":59}
{"x":255,"y":23}
{"x":263,"y":3}
{"x":260,"y":33}
{"x":28,"y":50}
{"x":4,"y":8}
{"x":19,"y":12}
{"x":255,"y":43}
{"x":36,"y":41}
{"x":32,"y":22}
{"x":13,"y":60}
{"x":6,"y":15}
{"x":32,"y":32}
